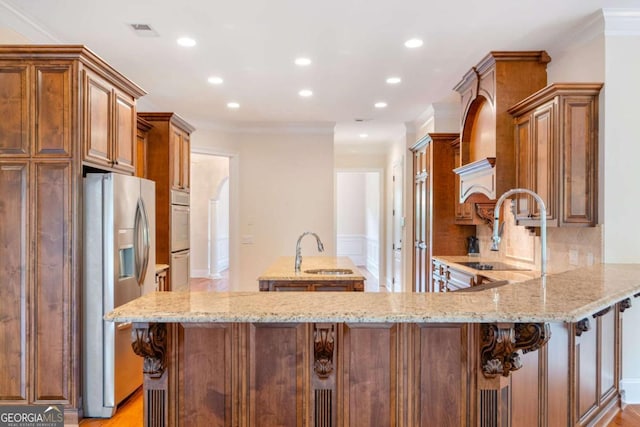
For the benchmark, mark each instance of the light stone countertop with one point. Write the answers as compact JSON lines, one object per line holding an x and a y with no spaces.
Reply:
{"x":563,"y":297}
{"x":511,"y":276}
{"x":284,"y":269}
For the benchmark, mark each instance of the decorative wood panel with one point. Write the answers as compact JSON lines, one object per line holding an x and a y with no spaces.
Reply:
{"x":14,"y":110}
{"x":580,"y":159}
{"x":368,"y":377}
{"x":608,"y":356}
{"x":278,"y":374}
{"x":527,"y":398}
{"x":52,"y":282}
{"x":558,"y":378}
{"x":586,"y":372}
{"x":53,"y":106}
{"x":205,"y":379}
{"x":176,"y":163}
{"x":13,"y":291}
{"x":98,"y":118}
{"x":185,"y":159}
{"x":125,"y":133}
{"x":439,"y":383}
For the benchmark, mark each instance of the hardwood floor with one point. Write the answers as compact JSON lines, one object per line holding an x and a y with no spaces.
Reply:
{"x":629,"y":417}
{"x":129,"y":414}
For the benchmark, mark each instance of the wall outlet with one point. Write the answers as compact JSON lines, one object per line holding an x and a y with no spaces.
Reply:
{"x":573,"y":257}
{"x":247,"y":239}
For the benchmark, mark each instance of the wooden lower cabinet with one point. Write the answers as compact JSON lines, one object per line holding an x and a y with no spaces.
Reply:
{"x":381,"y":374}
{"x":574,"y":379}
{"x":312,"y":374}
{"x":445,"y":278}
{"x":38,"y":357}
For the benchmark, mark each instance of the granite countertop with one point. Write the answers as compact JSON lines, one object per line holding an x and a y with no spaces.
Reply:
{"x":161,"y":267}
{"x":563,"y":297}
{"x":511,"y":276}
{"x":283,"y":269}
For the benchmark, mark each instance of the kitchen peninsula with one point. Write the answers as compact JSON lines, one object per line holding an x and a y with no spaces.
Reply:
{"x":377,"y":359}
{"x":319,"y":273}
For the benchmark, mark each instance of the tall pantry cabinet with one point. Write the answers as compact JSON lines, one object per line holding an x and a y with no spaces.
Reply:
{"x":62,"y":108}
{"x":434,"y":221}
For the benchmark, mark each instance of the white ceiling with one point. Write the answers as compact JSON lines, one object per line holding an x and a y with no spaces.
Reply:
{"x":354,"y":45}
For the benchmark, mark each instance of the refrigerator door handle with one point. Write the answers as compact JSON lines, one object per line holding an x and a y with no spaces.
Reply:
{"x":141,"y":242}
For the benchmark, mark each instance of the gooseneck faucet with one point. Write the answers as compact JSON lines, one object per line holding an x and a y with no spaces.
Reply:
{"x":299,"y":252}
{"x":543,"y":224}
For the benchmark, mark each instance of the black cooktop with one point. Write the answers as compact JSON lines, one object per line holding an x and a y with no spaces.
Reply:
{"x":497,"y":266}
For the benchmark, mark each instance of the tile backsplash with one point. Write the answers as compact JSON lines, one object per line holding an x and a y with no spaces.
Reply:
{"x":567,"y":247}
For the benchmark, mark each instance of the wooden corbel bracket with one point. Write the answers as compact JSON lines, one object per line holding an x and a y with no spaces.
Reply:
{"x":149,"y":341}
{"x":502,"y":343}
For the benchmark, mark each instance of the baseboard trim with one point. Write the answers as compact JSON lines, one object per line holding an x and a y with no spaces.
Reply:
{"x":631,"y":388}
{"x":200,"y":273}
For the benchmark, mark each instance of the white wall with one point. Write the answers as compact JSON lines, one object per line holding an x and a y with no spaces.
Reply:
{"x":350,"y":196}
{"x":284,"y":187}
{"x":614,"y":60}
{"x":621,"y":179}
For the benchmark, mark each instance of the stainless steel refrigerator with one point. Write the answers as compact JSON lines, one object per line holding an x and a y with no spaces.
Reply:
{"x":119,"y":266}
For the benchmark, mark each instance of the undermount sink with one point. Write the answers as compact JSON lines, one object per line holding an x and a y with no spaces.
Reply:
{"x":330,"y":271}
{"x":496,"y":266}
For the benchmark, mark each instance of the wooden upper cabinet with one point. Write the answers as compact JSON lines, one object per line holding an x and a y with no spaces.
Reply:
{"x":52,"y":104}
{"x":124,"y":145}
{"x":185,"y":162}
{"x":48,"y":99}
{"x":110,"y":126}
{"x":556,"y":151}
{"x":14,"y":110}
{"x":142,"y":138}
{"x":169,"y":149}
{"x":98,"y":101}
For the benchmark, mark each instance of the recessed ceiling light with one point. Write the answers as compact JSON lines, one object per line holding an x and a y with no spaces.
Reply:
{"x":215,"y":80}
{"x":380,"y":104}
{"x":413,"y":43}
{"x":364,"y":135}
{"x":302,"y":61}
{"x":233,"y":105}
{"x":305,"y":93}
{"x":394,"y":80}
{"x":186,"y":42}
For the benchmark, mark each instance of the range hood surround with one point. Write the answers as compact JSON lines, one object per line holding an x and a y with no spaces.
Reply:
{"x":487,"y":91}
{"x":478,"y":177}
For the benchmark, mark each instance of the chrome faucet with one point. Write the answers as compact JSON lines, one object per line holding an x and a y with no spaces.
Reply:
{"x":543,"y":225}
{"x":299,"y":252}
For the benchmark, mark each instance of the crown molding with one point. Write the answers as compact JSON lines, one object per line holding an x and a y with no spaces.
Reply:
{"x":25,"y":25}
{"x":621,"y":22}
